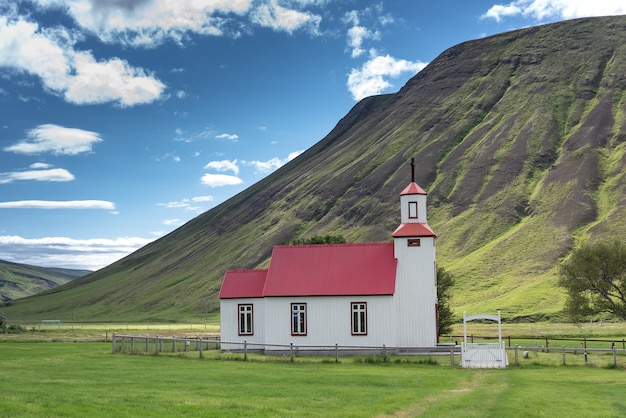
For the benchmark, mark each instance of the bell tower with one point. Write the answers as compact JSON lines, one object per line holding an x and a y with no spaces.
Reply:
{"x":416,"y":286}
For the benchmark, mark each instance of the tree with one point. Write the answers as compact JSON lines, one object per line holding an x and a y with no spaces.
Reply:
{"x":320,"y":239}
{"x":445,"y":281}
{"x":595,"y":280}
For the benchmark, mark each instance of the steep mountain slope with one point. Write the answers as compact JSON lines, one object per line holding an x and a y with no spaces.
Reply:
{"x":519,"y":139}
{"x":21,"y":280}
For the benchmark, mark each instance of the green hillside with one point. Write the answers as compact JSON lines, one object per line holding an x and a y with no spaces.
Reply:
{"x":21,"y":280}
{"x":518,"y":138}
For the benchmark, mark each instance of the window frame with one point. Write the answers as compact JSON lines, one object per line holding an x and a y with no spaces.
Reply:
{"x":358,"y":314}
{"x":302,"y":322}
{"x":242,"y":315}
{"x":413,"y":212}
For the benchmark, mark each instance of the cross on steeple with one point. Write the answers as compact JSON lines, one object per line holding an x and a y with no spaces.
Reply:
{"x":412,"y":170}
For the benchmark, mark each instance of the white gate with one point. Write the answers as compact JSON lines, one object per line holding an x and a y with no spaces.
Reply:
{"x":483,"y":355}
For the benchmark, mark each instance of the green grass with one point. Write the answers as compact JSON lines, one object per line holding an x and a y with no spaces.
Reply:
{"x":85,"y":379}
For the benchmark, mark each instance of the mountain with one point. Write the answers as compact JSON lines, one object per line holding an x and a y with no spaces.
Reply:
{"x":21,"y":280}
{"x":518,"y":138}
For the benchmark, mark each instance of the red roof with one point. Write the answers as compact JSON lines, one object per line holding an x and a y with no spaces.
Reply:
{"x":243,"y":284}
{"x":322,"y":270}
{"x":418,"y":229}
{"x":412,"y":188}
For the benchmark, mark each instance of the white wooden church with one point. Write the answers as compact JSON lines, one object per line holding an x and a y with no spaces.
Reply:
{"x":369,"y":294}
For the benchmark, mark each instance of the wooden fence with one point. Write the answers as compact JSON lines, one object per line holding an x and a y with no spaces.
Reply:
{"x":544,"y":341}
{"x":518,"y":355}
{"x":139,"y":344}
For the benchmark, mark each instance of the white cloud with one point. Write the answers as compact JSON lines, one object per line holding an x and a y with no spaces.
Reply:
{"x":88,"y":254}
{"x":50,"y":55}
{"x":53,"y":174}
{"x":560,"y":9}
{"x":266,"y":167}
{"x":187,"y":204}
{"x":206,"y":198}
{"x":172,"y":222}
{"x":357,"y":34}
{"x":184,"y":136}
{"x":57,"y":140}
{"x":40,"y":166}
{"x":230,"y":137}
{"x":111,"y":81}
{"x":219,"y":180}
{"x":149,"y":22}
{"x":279,"y":18}
{"x":372,"y":78}
{"x":224,"y":165}
{"x":53,"y":204}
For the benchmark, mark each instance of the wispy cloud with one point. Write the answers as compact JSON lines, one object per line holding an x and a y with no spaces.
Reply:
{"x":55,"y":139}
{"x":560,"y":9}
{"x":266,"y":167}
{"x":189,"y":205}
{"x":230,"y":137}
{"x":53,"y":174}
{"x":53,"y":204}
{"x":88,"y":254}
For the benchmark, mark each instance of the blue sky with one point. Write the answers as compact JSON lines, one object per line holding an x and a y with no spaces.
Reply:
{"x":121,"y":120}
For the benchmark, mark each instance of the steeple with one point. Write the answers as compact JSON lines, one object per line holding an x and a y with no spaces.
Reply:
{"x":413,"y":221}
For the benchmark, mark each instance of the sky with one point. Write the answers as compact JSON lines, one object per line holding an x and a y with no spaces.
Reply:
{"x":121,"y":120}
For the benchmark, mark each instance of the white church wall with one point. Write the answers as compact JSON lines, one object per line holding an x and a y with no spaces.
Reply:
{"x":416,"y":293}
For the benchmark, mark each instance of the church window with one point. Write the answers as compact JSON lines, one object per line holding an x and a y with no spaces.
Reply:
{"x":245,"y":320}
{"x":298,"y":319}
{"x":359,"y":318}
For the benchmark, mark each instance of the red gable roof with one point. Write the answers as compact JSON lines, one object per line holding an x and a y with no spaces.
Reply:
{"x":412,"y":188}
{"x":322,"y":270}
{"x":243,"y":284}
{"x":418,"y":229}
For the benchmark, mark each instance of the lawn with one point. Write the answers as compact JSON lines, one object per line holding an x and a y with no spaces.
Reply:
{"x":73,"y":379}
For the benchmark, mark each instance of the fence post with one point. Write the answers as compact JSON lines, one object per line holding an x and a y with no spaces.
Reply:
{"x":291,"y":351}
{"x":245,"y":350}
{"x":200,"y":350}
{"x":157,"y":341}
{"x":384,"y":353}
{"x":114,"y":347}
{"x":563,"y":348}
{"x":132,"y":344}
{"x":614,"y":357}
{"x":147,"y":344}
{"x":516,"y":355}
{"x":547,"y":345}
{"x":336,"y":353}
{"x":452,"y":355}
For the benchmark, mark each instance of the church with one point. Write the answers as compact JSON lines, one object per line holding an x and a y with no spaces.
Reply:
{"x":350,"y":295}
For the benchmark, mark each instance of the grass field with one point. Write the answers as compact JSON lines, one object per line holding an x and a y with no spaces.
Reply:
{"x":72,"y":377}
{"x":43,"y":379}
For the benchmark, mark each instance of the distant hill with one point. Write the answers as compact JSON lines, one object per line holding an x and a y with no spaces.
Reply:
{"x":21,"y":280}
{"x":519,"y":139}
